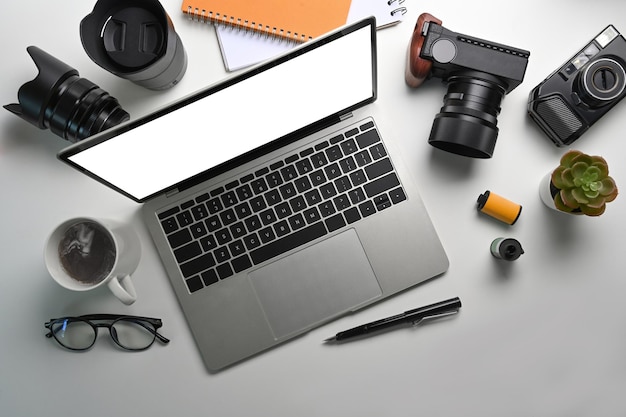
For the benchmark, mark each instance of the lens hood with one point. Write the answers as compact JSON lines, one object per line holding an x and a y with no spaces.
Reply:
{"x":59,"y":99}
{"x":135,"y":40}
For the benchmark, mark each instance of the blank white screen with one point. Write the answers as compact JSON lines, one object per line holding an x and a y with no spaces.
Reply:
{"x":205,"y":133}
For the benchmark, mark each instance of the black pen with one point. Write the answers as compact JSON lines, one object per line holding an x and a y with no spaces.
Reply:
{"x":416,"y":316}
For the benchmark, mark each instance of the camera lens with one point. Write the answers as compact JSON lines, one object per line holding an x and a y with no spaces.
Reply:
{"x":71,"y":107}
{"x":602,"y":81}
{"x":135,"y":40}
{"x":467,"y":122}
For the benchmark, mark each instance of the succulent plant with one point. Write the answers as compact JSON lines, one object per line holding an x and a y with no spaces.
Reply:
{"x":583,"y":183}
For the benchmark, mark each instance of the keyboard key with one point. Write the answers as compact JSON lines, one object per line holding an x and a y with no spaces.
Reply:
{"x":213,"y":223}
{"x":317,"y":177}
{"x":223,"y":236}
{"x":319,"y":159}
{"x":179,"y":238}
{"x":381,"y":185}
{"x":397,"y":195}
{"x":343,"y":184}
{"x":335,"y":222}
{"x":273,"y":179}
{"x":241,"y":263}
{"x":243,"y":210}
{"x":326,"y":208}
{"x":198,"y":230}
{"x":190,"y":250}
{"x":362,"y":158}
{"x":304,"y":166}
{"x":169,"y":225}
{"x":194,"y":284}
{"x":297,"y":204}
{"x":302,"y":184}
{"x":237,"y":230}
{"x":185,"y":218}
{"x":214,"y":205}
{"x":342,"y":202}
{"x":224,"y":271}
{"x":347,"y":164}
{"x":358,"y":177}
{"x":169,"y":213}
{"x":253,"y":223}
{"x":244,"y":192}
{"x":287,"y":190}
{"x":221,"y":254}
{"x":334,"y":153}
{"x":268,"y":217}
{"x":289,"y":173}
{"x":199,"y":212}
{"x":349,"y":147}
{"x":378,"y":168}
{"x":378,"y":151}
{"x":297,"y":222}
{"x":328,"y":190}
{"x":312,"y":215}
{"x":368,"y":138}
{"x":281,"y":228}
{"x":209,"y":277}
{"x":367,"y":208}
{"x":251,"y":241}
{"x":273,"y":197}
{"x":332,"y":171}
{"x":288,"y":243}
{"x":228,"y":217}
{"x":258,"y":186}
{"x":382,"y":202}
{"x":258,"y":203}
{"x":208,"y":243}
{"x":367,"y":126}
{"x":267,"y":235}
{"x":352,"y":215}
{"x":229,"y":199}
{"x":352,"y":132}
{"x":283,"y":210}
{"x":313,"y":197}
{"x":197,"y":265}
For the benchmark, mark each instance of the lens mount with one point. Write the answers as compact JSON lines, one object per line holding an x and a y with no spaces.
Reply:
{"x":603,"y":81}
{"x":467,"y":122}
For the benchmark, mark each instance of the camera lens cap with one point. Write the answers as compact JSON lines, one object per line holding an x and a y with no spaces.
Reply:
{"x":133,"y":37}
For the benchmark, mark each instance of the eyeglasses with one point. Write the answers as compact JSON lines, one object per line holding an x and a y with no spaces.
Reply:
{"x":128,"y":332}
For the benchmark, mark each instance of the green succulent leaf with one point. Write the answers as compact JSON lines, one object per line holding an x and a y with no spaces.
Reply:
{"x":584,"y":184}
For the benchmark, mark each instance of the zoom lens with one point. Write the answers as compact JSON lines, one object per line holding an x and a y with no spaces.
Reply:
{"x":58,"y":99}
{"x":467,"y":122}
{"x":602,"y":82}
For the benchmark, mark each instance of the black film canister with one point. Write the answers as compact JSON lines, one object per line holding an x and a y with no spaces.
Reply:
{"x":508,"y":249}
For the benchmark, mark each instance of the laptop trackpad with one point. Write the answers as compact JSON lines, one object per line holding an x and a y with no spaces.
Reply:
{"x":315,"y":284}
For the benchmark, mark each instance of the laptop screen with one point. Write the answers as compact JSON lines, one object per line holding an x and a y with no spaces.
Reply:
{"x":321,"y":79}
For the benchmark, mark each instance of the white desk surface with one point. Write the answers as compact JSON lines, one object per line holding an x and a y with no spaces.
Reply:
{"x":542,"y":336}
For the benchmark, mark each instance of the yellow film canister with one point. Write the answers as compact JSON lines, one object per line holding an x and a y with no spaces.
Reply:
{"x":498,"y":207}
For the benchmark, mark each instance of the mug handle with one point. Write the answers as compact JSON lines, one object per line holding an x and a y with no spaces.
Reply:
{"x":123,"y":288}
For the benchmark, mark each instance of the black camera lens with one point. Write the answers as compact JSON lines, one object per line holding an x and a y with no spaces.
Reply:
{"x":602,"y":81}
{"x":467,"y":122}
{"x":70,"y":106}
{"x":135,"y":40}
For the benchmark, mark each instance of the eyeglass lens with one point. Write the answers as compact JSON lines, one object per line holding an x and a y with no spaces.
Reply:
{"x":129,"y":333}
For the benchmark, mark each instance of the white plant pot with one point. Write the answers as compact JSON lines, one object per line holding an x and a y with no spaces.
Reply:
{"x":544,"y":192}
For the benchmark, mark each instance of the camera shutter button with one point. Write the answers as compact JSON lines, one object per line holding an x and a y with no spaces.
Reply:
{"x":443,"y":51}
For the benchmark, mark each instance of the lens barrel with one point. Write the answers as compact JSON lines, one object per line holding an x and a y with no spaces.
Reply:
{"x":467,"y":122}
{"x":602,"y":81}
{"x":135,"y":40}
{"x":58,"y":99}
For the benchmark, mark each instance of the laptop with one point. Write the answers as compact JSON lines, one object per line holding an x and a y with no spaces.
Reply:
{"x":272,"y":198}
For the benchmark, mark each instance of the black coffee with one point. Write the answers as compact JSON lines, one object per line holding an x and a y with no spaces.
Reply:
{"x":87,"y":252}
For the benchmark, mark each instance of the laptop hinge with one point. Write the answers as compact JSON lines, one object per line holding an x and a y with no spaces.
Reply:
{"x":345,"y":116}
{"x":171,"y":193}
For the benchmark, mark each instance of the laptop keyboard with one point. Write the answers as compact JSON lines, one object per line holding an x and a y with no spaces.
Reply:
{"x":293,"y":201}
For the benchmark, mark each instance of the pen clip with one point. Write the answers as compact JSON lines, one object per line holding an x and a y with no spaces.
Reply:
{"x":421,"y":320}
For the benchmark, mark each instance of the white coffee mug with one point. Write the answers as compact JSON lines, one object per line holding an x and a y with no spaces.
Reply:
{"x":84,"y":253}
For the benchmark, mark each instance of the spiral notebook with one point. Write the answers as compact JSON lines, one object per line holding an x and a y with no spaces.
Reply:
{"x":287,"y":19}
{"x":241,"y":49}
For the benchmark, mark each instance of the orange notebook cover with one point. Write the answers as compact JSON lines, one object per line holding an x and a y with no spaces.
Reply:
{"x":297,"y":20}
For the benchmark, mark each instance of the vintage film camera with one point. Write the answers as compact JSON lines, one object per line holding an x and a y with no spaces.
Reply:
{"x":479,"y":74}
{"x":582,"y":90}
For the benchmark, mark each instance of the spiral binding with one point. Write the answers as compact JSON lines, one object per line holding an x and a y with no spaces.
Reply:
{"x":399,"y":10}
{"x":201,"y":15}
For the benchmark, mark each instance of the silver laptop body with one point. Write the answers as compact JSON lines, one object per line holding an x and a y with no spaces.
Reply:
{"x":285,"y":157}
